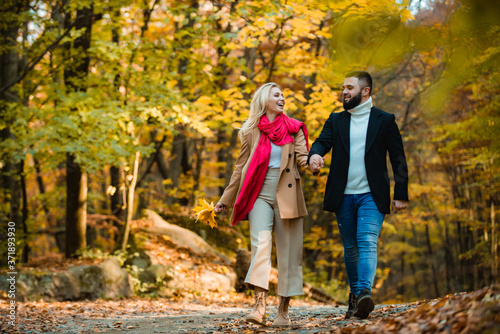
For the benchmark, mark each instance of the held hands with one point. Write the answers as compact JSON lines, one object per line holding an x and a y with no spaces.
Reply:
{"x":316,"y":162}
{"x":219,"y":207}
{"x":399,"y":205}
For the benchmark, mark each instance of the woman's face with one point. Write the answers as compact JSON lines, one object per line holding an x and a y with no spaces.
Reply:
{"x":276,"y":102}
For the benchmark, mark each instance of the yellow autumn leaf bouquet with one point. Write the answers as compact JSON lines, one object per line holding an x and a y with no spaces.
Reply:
{"x":205,"y":213}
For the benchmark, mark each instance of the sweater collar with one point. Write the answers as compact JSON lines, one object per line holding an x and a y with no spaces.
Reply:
{"x":362,"y":109}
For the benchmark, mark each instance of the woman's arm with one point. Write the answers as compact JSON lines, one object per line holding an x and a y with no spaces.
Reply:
{"x":301,"y":149}
{"x":229,"y":196}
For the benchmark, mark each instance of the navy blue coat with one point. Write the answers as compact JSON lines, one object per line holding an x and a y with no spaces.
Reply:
{"x":382,"y":137}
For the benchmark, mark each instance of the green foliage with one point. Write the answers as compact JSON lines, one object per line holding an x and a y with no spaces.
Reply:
{"x":92,"y":253}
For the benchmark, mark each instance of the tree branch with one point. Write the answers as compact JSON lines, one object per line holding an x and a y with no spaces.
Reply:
{"x":151,"y":160}
{"x":30,"y":67}
{"x":276,"y":49}
{"x":147,"y":17}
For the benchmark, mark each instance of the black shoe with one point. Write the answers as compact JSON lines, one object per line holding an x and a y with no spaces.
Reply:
{"x":364,"y":304}
{"x":352,"y":305}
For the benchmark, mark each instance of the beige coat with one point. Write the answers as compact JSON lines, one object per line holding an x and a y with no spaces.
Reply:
{"x":289,"y":193}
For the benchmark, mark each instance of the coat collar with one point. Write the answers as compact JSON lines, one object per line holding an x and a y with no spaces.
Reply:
{"x":344,"y":129}
{"x":373,"y":126}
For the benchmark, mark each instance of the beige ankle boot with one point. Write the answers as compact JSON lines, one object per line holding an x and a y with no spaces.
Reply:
{"x":282,"y":319}
{"x":258,"y":314}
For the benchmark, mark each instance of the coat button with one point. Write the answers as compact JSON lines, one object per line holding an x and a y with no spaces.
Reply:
{"x":289,"y":155}
{"x":290,"y":185}
{"x":288,"y":170}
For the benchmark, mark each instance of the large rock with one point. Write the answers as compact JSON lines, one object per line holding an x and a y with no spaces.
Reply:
{"x":156,"y":274}
{"x":205,"y":281}
{"x":47,"y":286}
{"x":117,"y":283}
{"x":90,"y":279}
{"x":140,"y":260}
{"x":182,"y":237}
{"x":107,"y":280}
{"x":213,"y":281}
{"x":64,"y":287}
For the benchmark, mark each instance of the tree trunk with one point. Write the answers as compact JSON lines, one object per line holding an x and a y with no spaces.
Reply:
{"x":431,"y":260}
{"x":198,"y":152}
{"x":130,"y":202}
{"x":76,"y":207}
{"x":160,"y":162}
{"x":75,"y":74}
{"x":177,"y":155}
{"x":412,"y":263}
{"x":116,"y":197}
{"x":401,"y":285}
{"x":180,"y":162}
{"x":114,"y":171}
{"x":225,"y":155}
{"x":24,"y":216}
{"x":9,"y":182}
{"x":41,"y":186}
{"x":494,"y":244}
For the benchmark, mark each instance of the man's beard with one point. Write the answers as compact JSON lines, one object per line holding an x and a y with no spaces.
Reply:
{"x":353,"y":102}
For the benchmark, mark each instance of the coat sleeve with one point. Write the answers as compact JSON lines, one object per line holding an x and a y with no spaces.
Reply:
{"x":398,"y":160}
{"x":229,"y":196}
{"x":301,"y":152}
{"x":324,"y":143}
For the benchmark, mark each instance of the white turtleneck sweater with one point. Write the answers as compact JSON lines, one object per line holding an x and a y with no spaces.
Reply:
{"x":357,"y":182}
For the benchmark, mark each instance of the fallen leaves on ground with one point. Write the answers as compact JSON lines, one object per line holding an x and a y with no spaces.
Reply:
{"x":220,"y":312}
{"x":474,"y":312}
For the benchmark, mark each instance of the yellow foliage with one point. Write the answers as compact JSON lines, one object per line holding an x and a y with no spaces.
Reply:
{"x":205,"y":213}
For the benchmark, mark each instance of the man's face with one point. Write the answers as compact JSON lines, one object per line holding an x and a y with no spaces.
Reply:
{"x":352,"y":94}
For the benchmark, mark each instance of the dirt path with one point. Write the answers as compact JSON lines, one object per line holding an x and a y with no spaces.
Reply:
{"x":148,"y":317}
{"x":473,"y":312}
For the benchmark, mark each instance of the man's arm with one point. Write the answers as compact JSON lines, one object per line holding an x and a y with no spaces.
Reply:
{"x":321,"y":147}
{"x":399,"y":165}
{"x":324,"y":142}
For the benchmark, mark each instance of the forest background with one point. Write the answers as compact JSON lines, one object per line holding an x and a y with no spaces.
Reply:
{"x":109,"y":107}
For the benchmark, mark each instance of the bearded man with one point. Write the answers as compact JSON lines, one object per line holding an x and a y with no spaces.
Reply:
{"x":358,"y":186}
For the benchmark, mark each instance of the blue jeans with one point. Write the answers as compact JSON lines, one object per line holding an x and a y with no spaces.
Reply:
{"x":359,"y":222}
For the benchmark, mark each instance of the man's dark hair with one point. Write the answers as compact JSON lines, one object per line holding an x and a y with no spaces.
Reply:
{"x":364,"y":78}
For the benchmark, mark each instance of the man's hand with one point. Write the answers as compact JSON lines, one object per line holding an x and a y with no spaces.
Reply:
{"x":219,"y":207}
{"x":316,"y":162}
{"x":398,"y":205}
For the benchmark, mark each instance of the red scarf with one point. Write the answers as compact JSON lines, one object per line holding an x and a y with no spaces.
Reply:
{"x":280,"y":133}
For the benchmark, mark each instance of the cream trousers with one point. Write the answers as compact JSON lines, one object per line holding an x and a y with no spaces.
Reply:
{"x":263,"y":218}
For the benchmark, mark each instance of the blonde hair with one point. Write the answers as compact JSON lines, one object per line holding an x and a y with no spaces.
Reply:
{"x":258,"y":107}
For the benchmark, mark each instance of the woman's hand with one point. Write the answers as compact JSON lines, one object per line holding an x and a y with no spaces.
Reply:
{"x":219,"y":207}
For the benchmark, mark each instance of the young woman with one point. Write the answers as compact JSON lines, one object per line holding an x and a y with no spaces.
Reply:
{"x":265,"y":188}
